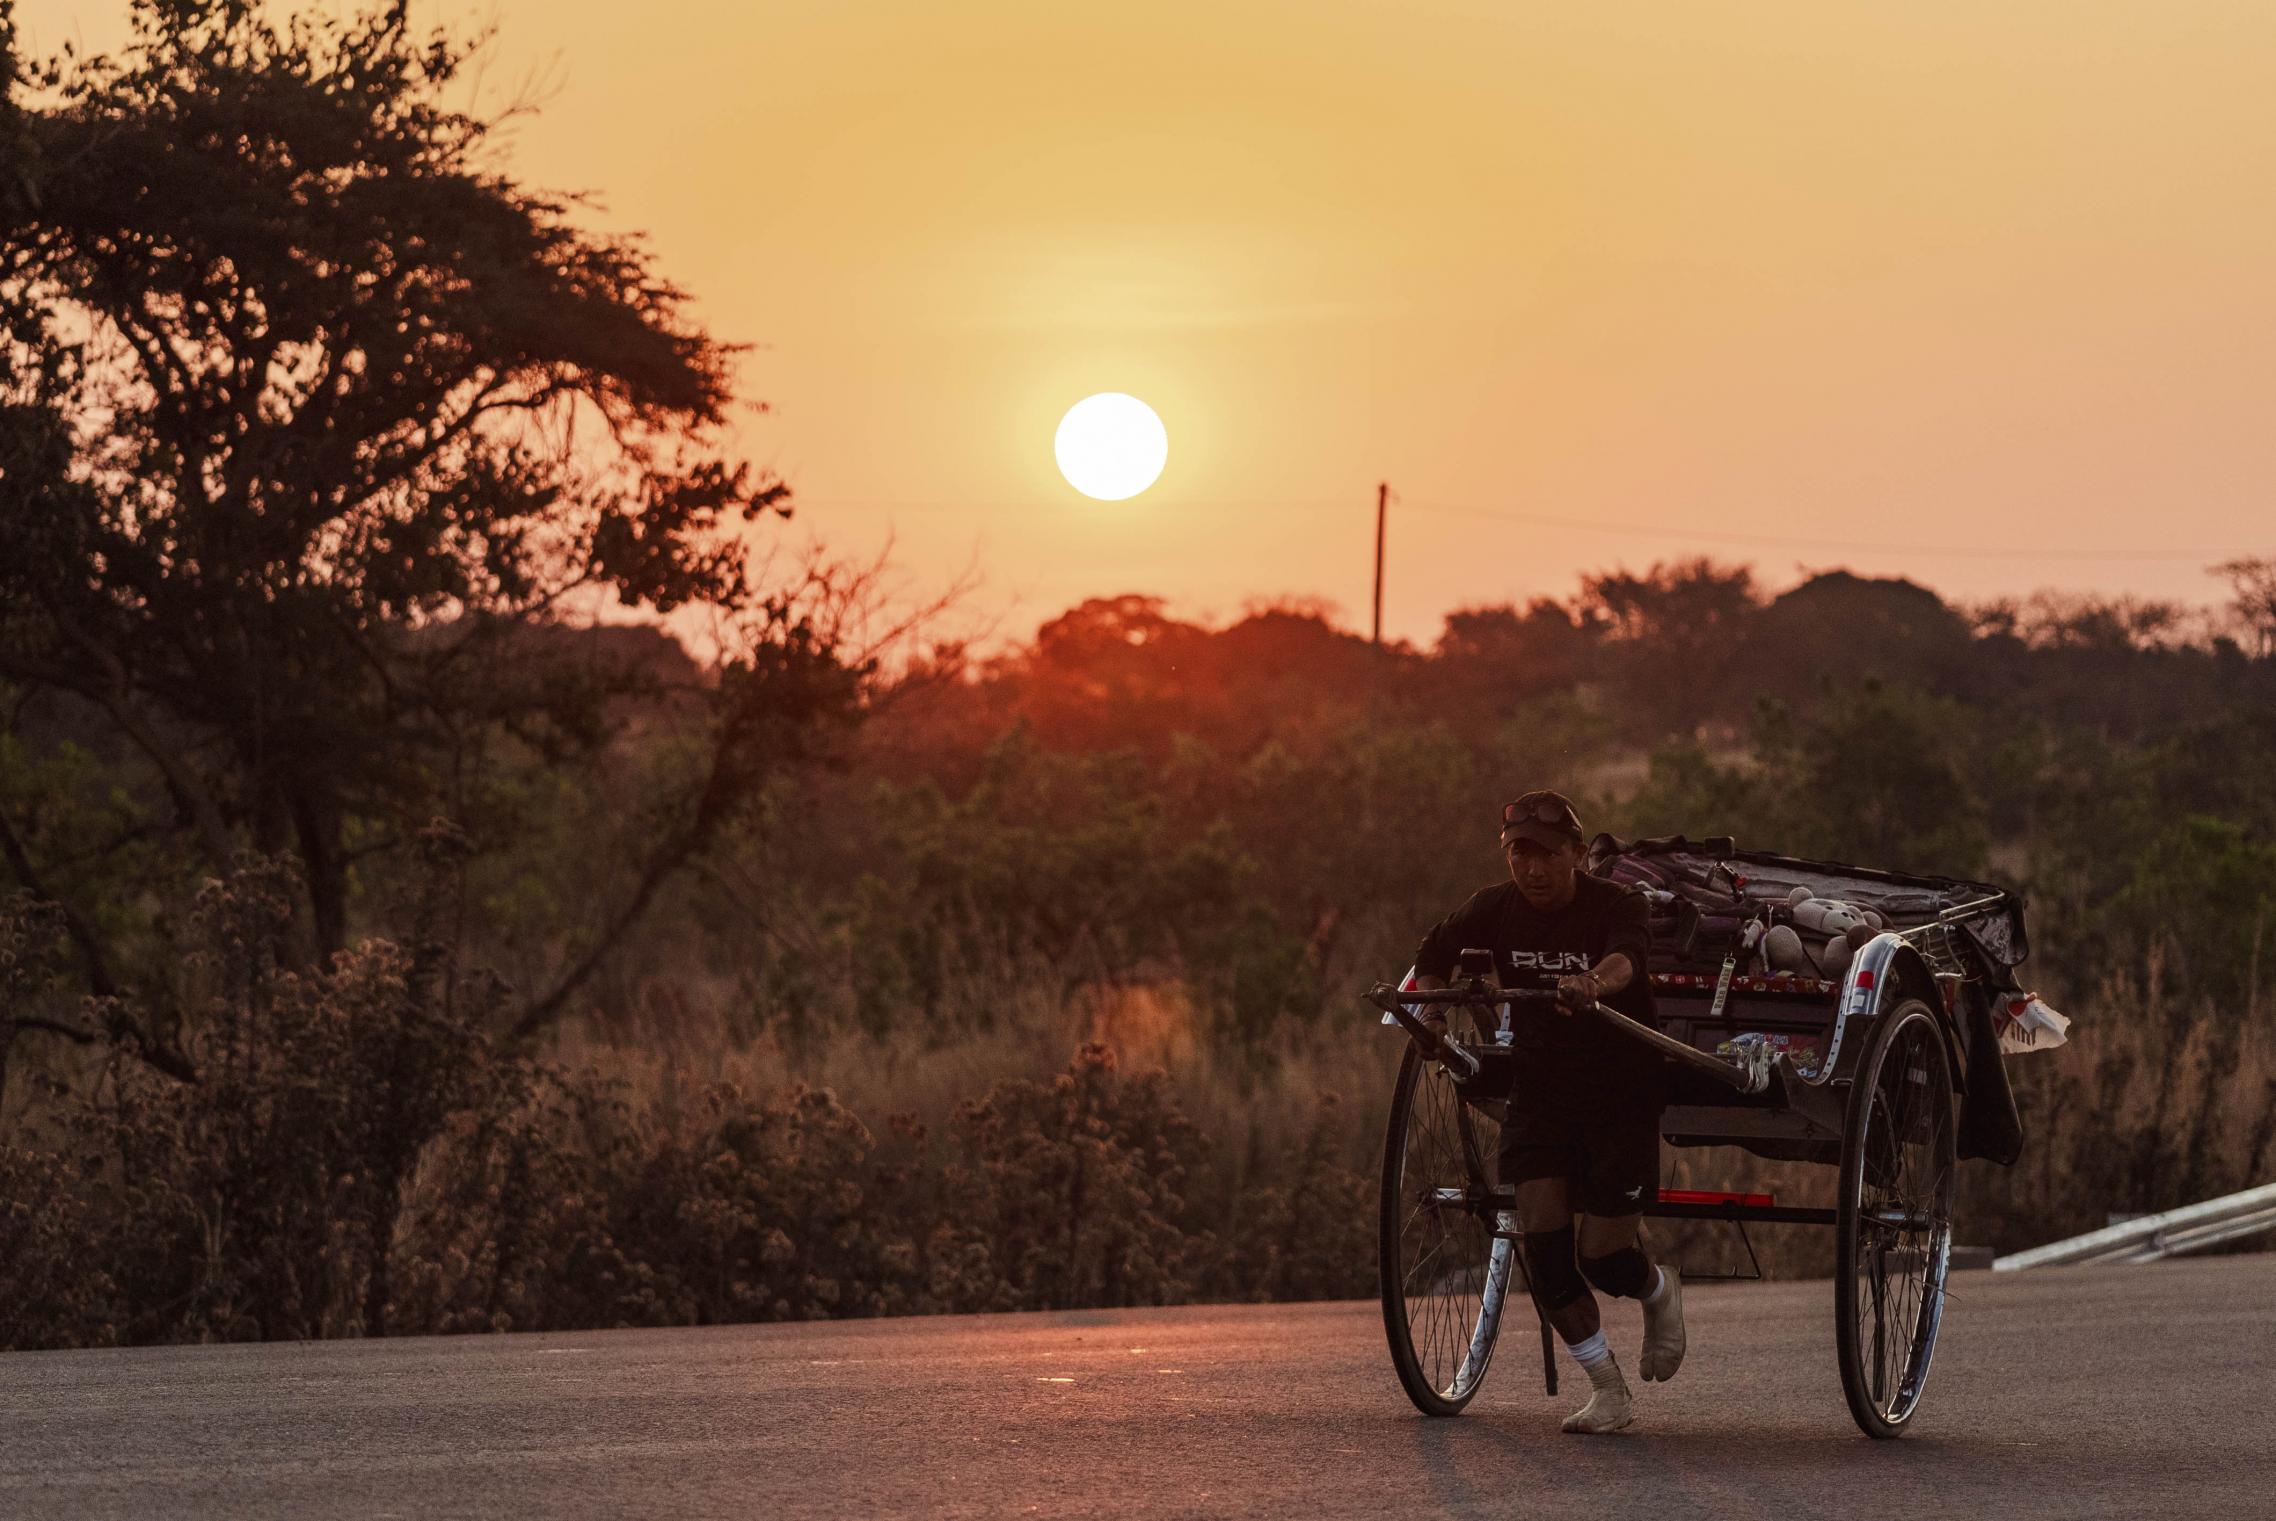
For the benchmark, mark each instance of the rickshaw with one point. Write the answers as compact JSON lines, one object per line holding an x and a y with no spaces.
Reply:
{"x":1889,"y":1072}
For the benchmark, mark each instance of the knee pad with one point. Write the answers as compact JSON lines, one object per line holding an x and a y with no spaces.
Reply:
{"x":1623,"y":1273}
{"x":1549,"y":1263}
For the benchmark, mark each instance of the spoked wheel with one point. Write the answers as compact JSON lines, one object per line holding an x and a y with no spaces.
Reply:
{"x":1893,"y":1221}
{"x":1445,"y":1274}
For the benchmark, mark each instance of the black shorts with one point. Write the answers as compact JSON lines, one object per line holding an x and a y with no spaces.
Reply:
{"x":1611,"y":1160}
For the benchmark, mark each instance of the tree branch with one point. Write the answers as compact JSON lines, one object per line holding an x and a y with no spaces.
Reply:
{"x":203,"y":813}
{"x":121,"y":1026}
{"x":542,"y":1012}
{"x":99,"y":978}
{"x":46,"y":1026}
{"x":155,"y":1054}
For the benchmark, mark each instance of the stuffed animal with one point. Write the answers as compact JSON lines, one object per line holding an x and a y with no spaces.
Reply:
{"x":1820,"y":937}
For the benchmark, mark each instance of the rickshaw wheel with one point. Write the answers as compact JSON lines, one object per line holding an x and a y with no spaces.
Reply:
{"x":1445,"y":1275}
{"x":1893,"y":1220}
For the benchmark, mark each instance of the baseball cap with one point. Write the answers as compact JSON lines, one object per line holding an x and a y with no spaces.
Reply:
{"x":1544,"y":817}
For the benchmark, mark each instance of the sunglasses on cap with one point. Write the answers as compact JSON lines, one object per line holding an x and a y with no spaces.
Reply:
{"x":1541,"y":810}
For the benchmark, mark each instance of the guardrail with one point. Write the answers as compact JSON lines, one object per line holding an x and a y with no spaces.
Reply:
{"x":2174,"y":1233}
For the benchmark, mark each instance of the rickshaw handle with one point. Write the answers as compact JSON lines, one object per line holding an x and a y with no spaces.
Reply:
{"x":1752,"y":1078}
{"x":1435,"y":1046}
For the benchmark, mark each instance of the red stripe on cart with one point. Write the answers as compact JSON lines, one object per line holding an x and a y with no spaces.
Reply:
{"x":1752,"y":983}
{"x":1709,"y":1196}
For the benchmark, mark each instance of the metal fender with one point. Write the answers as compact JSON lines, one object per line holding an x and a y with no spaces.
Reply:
{"x":1885,"y":970}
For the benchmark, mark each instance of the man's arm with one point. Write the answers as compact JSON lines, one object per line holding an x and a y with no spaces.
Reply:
{"x":1628,"y":946}
{"x":1628,"y":942}
{"x":1435,"y":1018}
{"x":1440,"y":948}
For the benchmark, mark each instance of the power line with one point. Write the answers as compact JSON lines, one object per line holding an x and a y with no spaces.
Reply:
{"x":1633,"y":530}
{"x":1783,"y":541}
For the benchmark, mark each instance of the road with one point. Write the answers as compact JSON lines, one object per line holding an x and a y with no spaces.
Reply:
{"x":2065,"y":1392}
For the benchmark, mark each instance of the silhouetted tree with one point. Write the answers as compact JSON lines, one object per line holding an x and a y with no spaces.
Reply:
{"x":1110,"y":672}
{"x":1496,"y":657}
{"x":1837,"y":630}
{"x":2253,"y":583}
{"x":1673,"y":631}
{"x":311,"y":412}
{"x":18,"y":187}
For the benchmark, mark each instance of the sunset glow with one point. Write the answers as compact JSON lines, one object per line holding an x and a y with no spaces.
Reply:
{"x":1589,"y":286}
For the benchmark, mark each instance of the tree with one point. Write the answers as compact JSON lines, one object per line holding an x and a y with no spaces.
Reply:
{"x":1110,"y":672}
{"x":311,"y":415}
{"x":2203,"y":888}
{"x":1837,"y":629}
{"x":1673,"y":632}
{"x":2253,"y":583}
{"x":17,"y":187}
{"x":1875,"y":778}
{"x":1491,"y":658}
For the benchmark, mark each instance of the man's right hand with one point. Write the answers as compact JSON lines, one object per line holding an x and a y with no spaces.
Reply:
{"x":1578,"y":992}
{"x":1434,"y":1019}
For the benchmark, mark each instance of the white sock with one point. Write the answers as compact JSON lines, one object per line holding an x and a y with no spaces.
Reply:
{"x":1659,"y":1284}
{"x":1592,"y":1353}
{"x":1595,"y":1358}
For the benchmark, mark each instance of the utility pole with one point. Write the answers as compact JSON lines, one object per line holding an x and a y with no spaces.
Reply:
{"x":1382,"y":502}
{"x":1374,"y":673}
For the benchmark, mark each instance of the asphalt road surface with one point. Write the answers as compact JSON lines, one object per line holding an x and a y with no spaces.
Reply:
{"x":2065,"y":1392}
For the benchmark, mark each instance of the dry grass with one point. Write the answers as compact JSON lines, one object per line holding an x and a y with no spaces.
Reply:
{"x":2148,"y":1107}
{"x":1246,"y":1106}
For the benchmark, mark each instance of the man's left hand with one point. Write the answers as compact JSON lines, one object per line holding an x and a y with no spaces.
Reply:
{"x":1579,"y":991}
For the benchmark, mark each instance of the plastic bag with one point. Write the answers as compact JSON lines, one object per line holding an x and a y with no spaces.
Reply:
{"x":2024,"y":1022}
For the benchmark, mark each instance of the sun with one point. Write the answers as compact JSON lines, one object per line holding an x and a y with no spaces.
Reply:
{"x":1111,"y":446}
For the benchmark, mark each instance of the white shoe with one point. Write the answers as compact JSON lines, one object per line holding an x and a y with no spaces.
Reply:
{"x":1608,"y":1409}
{"x":1663,"y":1331}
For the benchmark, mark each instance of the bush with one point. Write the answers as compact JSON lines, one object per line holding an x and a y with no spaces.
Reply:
{"x":263,"y":1199}
{"x":1074,"y":1186}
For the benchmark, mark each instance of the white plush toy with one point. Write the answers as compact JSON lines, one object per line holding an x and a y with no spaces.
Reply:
{"x":1824,"y":935}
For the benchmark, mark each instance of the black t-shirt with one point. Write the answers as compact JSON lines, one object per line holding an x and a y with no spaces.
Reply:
{"x":1573,"y":1062}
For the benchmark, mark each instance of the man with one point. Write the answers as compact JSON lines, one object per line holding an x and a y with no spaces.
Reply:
{"x":1583,"y":1133}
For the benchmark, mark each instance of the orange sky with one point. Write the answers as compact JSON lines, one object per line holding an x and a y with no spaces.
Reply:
{"x":1924,"y":273}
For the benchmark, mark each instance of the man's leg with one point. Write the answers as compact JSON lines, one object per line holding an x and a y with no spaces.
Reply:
{"x":1620,"y":1170}
{"x":1544,"y":1212}
{"x":1614,"y":1257}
